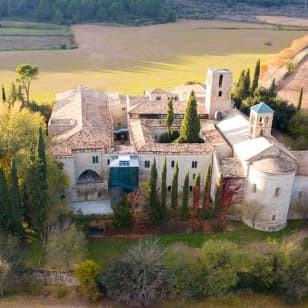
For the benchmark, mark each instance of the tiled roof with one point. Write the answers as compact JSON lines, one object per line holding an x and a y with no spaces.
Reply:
{"x":160,"y":107}
{"x":262,"y":108}
{"x":302,"y":158}
{"x":92,"y":120}
{"x":142,"y":136}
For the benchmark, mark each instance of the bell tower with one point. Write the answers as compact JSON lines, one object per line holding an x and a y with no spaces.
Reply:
{"x":218,"y":92}
{"x":261,"y":120}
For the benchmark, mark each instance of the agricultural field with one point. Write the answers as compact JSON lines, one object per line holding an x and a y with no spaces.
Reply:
{"x":131,"y":59}
{"x":289,"y":88}
{"x":33,"y":36}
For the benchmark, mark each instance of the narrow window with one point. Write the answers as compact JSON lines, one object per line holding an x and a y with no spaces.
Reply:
{"x":277,"y":191}
{"x":194,"y":175}
{"x":96,"y":159}
{"x":220,"y":80}
{"x":254,"y":188}
{"x":300,"y":195}
{"x":194,"y":164}
{"x":93,"y":159}
{"x":273,"y":217}
{"x":147,"y":164}
{"x":220,"y":93}
{"x":172,"y":164}
{"x":260,"y":119}
{"x":169,"y":188}
{"x":108,"y":162}
{"x":190,"y":188}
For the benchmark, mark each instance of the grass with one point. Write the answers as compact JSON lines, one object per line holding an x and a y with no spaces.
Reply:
{"x":104,"y":251}
{"x":131,"y":59}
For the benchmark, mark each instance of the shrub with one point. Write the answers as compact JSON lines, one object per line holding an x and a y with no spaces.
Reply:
{"x":165,"y":138}
{"x":185,"y":270}
{"x":218,"y":257}
{"x":139,"y":277}
{"x":122,"y":216}
{"x":87,"y":274}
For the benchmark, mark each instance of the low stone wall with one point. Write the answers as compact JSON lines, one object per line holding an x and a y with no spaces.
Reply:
{"x":54,"y":278}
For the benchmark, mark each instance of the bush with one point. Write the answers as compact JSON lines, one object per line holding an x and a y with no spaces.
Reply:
{"x":165,"y":138}
{"x":218,"y":257}
{"x":87,"y":274}
{"x":122,"y":216}
{"x":186,"y":271}
{"x":139,"y":277}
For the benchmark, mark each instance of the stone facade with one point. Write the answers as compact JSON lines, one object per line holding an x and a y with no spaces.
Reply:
{"x":257,"y":170}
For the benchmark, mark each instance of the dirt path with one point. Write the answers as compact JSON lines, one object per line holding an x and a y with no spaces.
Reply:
{"x":289,"y":88}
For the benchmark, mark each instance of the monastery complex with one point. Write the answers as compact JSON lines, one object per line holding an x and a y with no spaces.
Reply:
{"x":107,"y":143}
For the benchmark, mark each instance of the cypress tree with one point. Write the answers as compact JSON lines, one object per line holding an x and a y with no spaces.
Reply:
{"x":256,"y":76}
{"x":247,"y":83}
{"x":163,"y":195}
{"x":16,"y":218}
{"x":190,"y":127}
{"x":196,"y":192}
{"x":169,"y":117}
{"x":174,"y":189}
{"x":218,"y":196}
{"x":300,"y":98}
{"x":184,"y":213}
{"x":207,"y":189}
{"x":3,"y":94}
{"x":154,"y":209}
{"x":13,"y":94}
{"x":272,"y":89}
{"x":5,"y":218}
{"x":239,"y":92}
{"x":37,"y":186}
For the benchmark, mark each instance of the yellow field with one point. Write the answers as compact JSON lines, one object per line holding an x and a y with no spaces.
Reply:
{"x":131,"y":59}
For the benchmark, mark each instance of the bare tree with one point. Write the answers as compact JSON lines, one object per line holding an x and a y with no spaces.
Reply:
{"x":251,"y":210}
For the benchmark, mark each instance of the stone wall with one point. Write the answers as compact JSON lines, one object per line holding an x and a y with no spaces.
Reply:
{"x":54,"y":278}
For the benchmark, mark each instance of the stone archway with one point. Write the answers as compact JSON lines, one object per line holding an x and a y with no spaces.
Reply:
{"x":89,"y":176}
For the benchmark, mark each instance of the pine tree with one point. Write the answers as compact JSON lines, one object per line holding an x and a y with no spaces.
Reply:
{"x":218,"y":196}
{"x":300,"y":98}
{"x":184,"y":213}
{"x":3,"y":94}
{"x":256,"y":76}
{"x":16,"y":218}
{"x":169,"y":117}
{"x":247,"y":83}
{"x":196,"y":192}
{"x":154,"y":207}
{"x":207,"y":189}
{"x":174,"y":189}
{"x":190,"y":127}
{"x":4,"y":204}
{"x":163,"y":195}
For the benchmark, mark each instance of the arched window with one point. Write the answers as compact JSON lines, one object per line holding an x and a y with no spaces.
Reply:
{"x":88,"y":176}
{"x":220,"y":81}
{"x":220,"y":93}
{"x":277,"y":191}
{"x":169,"y":188}
{"x":172,"y":164}
{"x":190,"y":188}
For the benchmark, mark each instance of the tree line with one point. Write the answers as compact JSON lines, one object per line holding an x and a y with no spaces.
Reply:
{"x":78,"y":11}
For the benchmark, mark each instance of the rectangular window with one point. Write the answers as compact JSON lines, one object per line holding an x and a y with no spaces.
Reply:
{"x":277,"y":192}
{"x":147,"y":164}
{"x":172,"y":164}
{"x":96,"y":159}
{"x":93,"y":159}
{"x":254,"y":188}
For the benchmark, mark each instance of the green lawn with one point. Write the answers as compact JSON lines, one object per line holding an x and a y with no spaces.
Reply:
{"x":105,"y":250}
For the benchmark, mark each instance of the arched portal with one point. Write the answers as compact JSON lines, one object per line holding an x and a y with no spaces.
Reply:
{"x":89,"y":176}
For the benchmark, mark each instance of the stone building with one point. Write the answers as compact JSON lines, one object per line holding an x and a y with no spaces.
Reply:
{"x":107,"y":143}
